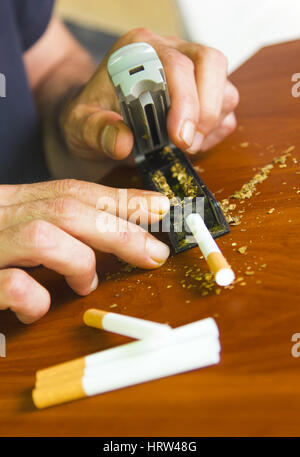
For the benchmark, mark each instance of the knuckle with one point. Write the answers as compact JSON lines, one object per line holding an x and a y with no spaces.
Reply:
{"x":229,"y":124}
{"x":216,"y":55}
{"x":67,"y":187}
{"x":65,"y":207}
{"x":175,"y":40}
{"x":140,"y":34}
{"x":233,"y":97}
{"x":177,"y":59}
{"x":15,"y":285}
{"x":38,"y":234}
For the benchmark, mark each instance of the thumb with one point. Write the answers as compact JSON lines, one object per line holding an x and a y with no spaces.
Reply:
{"x":92,"y":132}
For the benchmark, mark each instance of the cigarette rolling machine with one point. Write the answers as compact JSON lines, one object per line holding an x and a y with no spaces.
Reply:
{"x":140,"y":84}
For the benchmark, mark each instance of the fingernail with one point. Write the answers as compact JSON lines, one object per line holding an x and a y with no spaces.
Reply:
{"x":188,"y":132}
{"x":108,"y":140}
{"x":158,"y":251}
{"x":158,"y":204}
{"x":197,"y":143}
{"x":95,"y":283}
{"x":163,"y":206}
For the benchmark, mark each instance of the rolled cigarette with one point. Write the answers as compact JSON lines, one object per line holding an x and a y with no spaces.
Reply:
{"x":207,"y":344}
{"x":124,"y":325}
{"x":217,"y":263}
{"x":204,"y":329}
{"x":156,"y":364}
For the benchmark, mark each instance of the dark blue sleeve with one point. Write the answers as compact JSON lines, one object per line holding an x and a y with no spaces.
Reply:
{"x":32,"y":18}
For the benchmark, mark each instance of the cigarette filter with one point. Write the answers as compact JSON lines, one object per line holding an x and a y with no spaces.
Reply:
{"x":216,"y":261}
{"x":124,"y":325}
{"x":158,"y":363}
{"x":206,"y":329}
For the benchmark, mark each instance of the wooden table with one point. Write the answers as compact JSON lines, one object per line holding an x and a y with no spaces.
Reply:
{"x":255,"y":390}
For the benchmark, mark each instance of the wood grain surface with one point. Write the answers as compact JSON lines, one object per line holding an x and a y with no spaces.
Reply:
{"x":255,"y":390}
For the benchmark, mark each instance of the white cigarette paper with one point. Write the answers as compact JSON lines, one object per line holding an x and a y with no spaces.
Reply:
{"x":153,"y":365}
{"x":218,"y":265}
{"x":205,"y":329}
{"x":124,"y":325}
{"x":156,"y":364}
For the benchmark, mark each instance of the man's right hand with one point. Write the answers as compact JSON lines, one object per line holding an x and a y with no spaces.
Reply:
{"x":56,"y":224}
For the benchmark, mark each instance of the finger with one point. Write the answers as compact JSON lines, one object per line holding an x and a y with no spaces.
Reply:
{"x":23,"y":295}
{"x":130,"y":242}
{"x":92,"y":132}
{"x":101,"y":230}
{"x":211,"y":76}
{"x":39,"y":242}
{"x":154,"y":205}
{"x":230,"y":99}
{"x":227,"y":121}
{"x":226,"y":127}
{"x":183,"y":115}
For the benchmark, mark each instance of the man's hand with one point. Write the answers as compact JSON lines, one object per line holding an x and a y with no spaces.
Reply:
{"x":57,"y":224}
{"x":202,"y":102}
